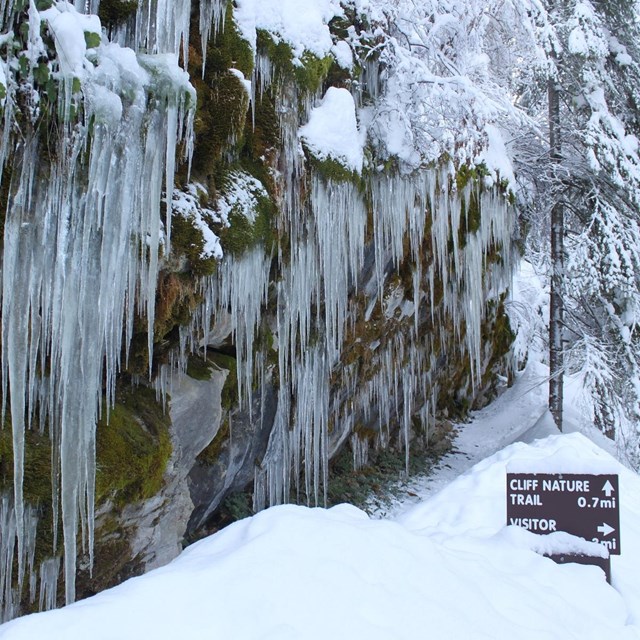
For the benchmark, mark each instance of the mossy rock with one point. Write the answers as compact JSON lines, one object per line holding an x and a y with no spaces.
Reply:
{"x":187,"y":240}
{"x":496,"y":332}
{"x":132,"y":448}
{"x":243,"y":234}
{"x":248,"y":229}
{"x":261,"y":142}
{"x":308,"y":73}
{"x":199,"y":368}
{"x":219,"y":123}
{"x":223,"y":101}
{"x":211,"y":453}
{"x":470,"y":216}
{"x":470,"y":173}
{"x":313,"y":71}
{"x":227,"y":50}
{"x":229,"y":396}
{"x":332,"y":170}
{"x":37,"y":464}
{"x":115,"y":12}
{"x":176,"y":300}
{"x":469,"y":183}
{"x":177,"y":297}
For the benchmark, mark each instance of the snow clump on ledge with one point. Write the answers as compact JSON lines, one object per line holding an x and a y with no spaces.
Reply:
{"x":187,"y":205}
{"x":240,"y":194}
{"x":332,"y":131}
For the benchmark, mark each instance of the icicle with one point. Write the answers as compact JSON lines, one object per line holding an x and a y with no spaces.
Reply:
{"x":8,"y":533}
{"x":212,"y":15}
{"x":6,"y":10}
{"x":241,"y":287}
{"x":340,"y":220}
{"x":49,"y":574}
{"x":162,"y":26}
{"x":30,"y":532}
{"x":360,"y":449}
{"x":71,"y":272}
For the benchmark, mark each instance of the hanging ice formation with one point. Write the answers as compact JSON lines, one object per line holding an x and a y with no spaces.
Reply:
{"x":325,"y":287}
{"x":328,"y":392}
{"x":81,"y":239}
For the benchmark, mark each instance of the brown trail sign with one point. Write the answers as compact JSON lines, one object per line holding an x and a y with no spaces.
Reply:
{"x":584,"y":505}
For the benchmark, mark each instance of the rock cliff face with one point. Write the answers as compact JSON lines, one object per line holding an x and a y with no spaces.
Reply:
{"x":311,"y":292}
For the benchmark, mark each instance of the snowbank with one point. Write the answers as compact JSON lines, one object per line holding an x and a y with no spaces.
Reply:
{"x":473,"y":506}
{"x":449,"y":569}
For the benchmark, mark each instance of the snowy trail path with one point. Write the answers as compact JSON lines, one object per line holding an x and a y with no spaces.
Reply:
{"x":519,"y":414}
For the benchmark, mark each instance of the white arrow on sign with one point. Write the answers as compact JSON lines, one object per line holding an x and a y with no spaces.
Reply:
{"x":608,"y":489}
{"x":605,"y":529}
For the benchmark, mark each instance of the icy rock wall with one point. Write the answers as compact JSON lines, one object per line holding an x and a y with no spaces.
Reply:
{"x":90,"y":138}
{"x":321,"y":395}
{"x":370,"y":310}
{"x":343,"y":304}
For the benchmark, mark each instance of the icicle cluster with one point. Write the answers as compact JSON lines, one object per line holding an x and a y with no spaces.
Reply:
{"x":11,"y":585}
{"x":81,"y":247}
{"x":322,"y":275}
{"x":313,"y":294}
{"x":162,"y":26}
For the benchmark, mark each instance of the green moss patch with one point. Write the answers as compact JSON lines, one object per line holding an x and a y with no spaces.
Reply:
{"x":37,"y":465}
{"x":223,"y":101}
{"x":251,"y":219}
{"x":229,"y":396}
{"x":115,"y":12}
{"x":243,"y":234}
{"x":228,"y":50}
{"x":497,"y":332}
{"x":261,"y":140}
{"x":309,"y":73}
{"x":331,"y":169}
{"x":187,"y":240}
{"x":219,"y":123}
{"x":199,"y":368}
{"x":132,"y":449}
{"x":211,"y":453}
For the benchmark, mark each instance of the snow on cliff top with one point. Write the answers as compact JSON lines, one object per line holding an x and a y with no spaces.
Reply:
{"x":302,"y":24}
{"x":448,"y":569}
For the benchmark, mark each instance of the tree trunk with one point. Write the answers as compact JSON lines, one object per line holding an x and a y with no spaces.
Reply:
{"x":556,"y":310}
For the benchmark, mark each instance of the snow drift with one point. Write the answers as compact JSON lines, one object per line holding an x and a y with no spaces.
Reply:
{"x":449,"y":568}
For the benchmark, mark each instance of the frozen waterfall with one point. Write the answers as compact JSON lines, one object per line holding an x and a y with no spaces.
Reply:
{"x":81,"y":244}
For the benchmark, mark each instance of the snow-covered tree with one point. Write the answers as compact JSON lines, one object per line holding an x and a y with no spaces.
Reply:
{"x":594,"y":68}
{"x":447,"y":72}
